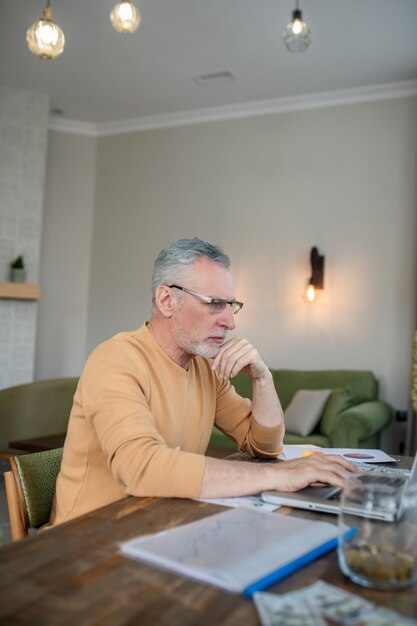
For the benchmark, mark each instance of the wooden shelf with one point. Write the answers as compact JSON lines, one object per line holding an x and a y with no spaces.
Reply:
{"x":20,"y":291}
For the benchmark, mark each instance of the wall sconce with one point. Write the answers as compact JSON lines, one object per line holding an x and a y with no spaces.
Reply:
{"x":317,"y":275}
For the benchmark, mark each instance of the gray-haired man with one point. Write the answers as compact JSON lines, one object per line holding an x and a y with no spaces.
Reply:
{"x":147,"y":401}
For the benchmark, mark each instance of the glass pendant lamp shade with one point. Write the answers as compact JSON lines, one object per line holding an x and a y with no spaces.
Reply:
{"x":45,"y":38}
{"x":125,"y":17}
{"x":297,"y":35}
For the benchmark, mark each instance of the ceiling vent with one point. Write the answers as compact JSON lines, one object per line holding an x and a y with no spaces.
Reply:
{"x":215,"y":78}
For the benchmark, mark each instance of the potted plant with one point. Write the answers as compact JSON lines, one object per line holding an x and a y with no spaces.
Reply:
{"x":17,"y":270}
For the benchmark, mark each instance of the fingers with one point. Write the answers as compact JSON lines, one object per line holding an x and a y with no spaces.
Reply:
{"x":323,"y":468}
{"x":236,"y":355}
{"x":350,"y":467}
{"x":331,"y":474}
{"x":332,"y":461}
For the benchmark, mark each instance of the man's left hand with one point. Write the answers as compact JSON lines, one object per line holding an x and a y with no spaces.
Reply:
{"x":238,"y":355}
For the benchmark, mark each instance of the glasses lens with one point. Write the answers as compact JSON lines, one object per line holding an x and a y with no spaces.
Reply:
{"x":218,"y":305}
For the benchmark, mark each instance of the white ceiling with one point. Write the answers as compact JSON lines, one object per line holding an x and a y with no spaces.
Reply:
{"x":106,"y":77}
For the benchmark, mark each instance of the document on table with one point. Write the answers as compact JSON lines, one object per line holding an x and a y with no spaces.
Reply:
{"x":357,"y":455}
{"x":239,"y":550}
{"x":246,"y":502}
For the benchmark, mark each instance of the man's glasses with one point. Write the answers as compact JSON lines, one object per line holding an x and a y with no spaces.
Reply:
{"x":216,"y":304}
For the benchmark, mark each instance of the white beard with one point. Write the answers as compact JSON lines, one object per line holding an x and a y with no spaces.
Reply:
{"x":198,"y":348}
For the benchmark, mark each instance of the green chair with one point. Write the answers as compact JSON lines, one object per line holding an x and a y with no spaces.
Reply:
{"x":35,"y":410}
{"x":30,"y":490}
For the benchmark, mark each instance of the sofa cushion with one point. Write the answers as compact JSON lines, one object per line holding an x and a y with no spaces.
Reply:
{"x":304,"y":410}
{"x":338,"y":401}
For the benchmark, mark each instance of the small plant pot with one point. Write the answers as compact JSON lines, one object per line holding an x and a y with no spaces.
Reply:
{"x":17,"y":275}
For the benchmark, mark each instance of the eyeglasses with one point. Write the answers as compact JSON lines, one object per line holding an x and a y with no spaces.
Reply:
{"x":216,"y":304}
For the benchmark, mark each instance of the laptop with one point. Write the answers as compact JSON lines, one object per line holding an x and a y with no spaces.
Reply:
{"x":327,"y":499}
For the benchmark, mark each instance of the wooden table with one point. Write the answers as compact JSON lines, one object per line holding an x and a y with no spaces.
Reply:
{"x":74,"y":575}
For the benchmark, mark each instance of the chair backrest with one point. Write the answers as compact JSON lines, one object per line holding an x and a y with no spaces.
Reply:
{"x":30,"y":489}
{"x":35,"y":409}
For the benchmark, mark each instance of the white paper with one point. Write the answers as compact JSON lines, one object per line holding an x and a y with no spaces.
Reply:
{"x":232,"y":549}
{"x":245,"y":502}
{"x":355,"y":455}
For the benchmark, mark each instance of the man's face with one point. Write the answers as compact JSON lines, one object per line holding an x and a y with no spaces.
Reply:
{"x":197,"y":328}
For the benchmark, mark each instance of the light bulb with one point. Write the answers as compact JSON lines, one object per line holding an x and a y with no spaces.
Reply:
{"x":46,"y":34}
{"x":310,"y":293}
{"x":125,"y":11}
{"x":45,"y":38}
{"x":297,"y":27}
{"x":125,"y":17}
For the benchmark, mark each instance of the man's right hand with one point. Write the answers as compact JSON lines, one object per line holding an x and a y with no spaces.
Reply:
{"x":224,"y":478}
{"x":320,"y":468}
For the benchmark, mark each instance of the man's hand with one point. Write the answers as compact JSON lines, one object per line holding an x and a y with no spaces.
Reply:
{"x":223,"y":478}
{"x":327,"y":469}
{"x":238,"y":355}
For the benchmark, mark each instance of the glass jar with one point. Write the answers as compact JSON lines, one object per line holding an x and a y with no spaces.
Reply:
{"x":377,"y":535}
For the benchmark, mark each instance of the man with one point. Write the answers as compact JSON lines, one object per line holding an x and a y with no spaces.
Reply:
{"x":147,"y":400}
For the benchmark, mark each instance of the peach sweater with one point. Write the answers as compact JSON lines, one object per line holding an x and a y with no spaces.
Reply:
{"x":140,"y":425}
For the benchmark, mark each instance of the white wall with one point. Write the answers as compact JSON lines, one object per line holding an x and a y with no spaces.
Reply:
{"x":267,"y":189}
{"x":23,"y":139}
{"x":65,"y":261}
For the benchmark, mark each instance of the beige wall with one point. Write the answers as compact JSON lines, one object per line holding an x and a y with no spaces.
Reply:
{"x":266,"y":189}
{"x":65,"y":259}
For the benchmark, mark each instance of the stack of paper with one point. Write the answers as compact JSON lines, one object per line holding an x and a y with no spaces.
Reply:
{"x":240,"y":550}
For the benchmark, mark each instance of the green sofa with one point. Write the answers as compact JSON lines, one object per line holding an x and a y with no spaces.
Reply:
{"x":35,"y":409}
{"x":352,"y":417}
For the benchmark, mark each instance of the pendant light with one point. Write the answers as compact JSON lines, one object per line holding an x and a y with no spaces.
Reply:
{"x":45,"y":38}
{"x":125,"y":17}
{"x":297,"y":35}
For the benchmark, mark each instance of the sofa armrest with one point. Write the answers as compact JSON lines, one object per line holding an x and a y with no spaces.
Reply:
{"x":360,"y":422}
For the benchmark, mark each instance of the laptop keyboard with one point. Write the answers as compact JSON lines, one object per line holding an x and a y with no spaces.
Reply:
{"x":391,"y":481}
{"x":379,"y":469}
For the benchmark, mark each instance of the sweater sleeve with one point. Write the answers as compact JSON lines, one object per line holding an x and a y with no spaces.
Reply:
{"x":234,"y":418}
{"x":115,"y":406}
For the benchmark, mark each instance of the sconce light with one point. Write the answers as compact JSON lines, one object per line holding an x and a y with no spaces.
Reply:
{"x":317,"y":275}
